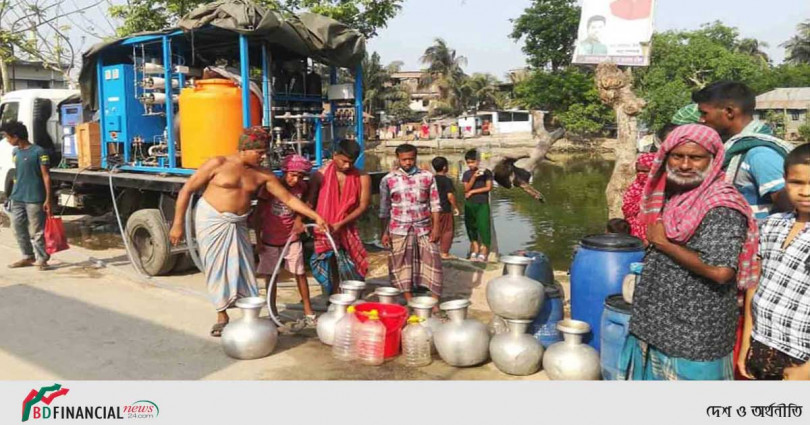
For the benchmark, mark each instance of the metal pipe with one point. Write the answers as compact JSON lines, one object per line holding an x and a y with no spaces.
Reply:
{"x":244,"y":64}
{"x":265,"y":86}
{"x":101,"y":120}
{"x":358,"y":107}
{"x":167,"y":75}
{"x":333,"y":80}
{"x":318,"y":143}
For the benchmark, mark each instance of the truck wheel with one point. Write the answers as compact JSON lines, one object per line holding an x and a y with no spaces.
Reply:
{"x":9,"y":184}
{"x":184,"y":263}
{"x":149,"y":237}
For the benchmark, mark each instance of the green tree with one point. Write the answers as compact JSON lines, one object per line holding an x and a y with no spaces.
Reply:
{"x":445,"y":72}
{"x":483,"y":93}
{"x":378,"y":89}
{"x":367,"y":16}
{"x":684,"y":61}
{"x":804,"y":130}
{"x":798,"y":47}
{"x":549,"y":28}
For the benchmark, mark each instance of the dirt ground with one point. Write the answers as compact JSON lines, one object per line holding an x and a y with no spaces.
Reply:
{"x":93,"y":318}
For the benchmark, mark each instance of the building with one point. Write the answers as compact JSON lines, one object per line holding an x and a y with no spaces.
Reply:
{"x":508,"y":122}
{"x":421,"y":97}
{"x":33,"y":75}
{"x":793,"y":103}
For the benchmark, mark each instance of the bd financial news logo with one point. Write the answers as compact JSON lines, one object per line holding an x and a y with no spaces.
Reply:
{"x":37,"y":405}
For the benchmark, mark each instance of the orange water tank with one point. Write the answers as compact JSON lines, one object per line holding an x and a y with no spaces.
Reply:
{"x":211,"y":120}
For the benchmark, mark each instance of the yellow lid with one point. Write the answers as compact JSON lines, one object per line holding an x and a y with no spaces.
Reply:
{"x":414,"y":319}
{"x":373,"y":315}
{"x":350,"y":310}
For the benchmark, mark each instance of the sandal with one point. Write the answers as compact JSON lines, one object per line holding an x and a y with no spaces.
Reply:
{"x":311,"y":320}
{"x":21,"y":263}
{"x":216,"y":330}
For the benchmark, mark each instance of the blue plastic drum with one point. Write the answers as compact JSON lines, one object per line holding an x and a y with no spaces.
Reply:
{"x":615,"y":327}
{"x":598,"y":270}
{"x":544,"y":326}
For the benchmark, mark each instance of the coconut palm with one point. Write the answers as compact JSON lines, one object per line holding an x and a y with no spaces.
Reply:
{"x":798,"y":47}
{"x":482,"y":91}
{"x":378,"y":91}
{"x":446,"y":74}
{"x":753,"y":48}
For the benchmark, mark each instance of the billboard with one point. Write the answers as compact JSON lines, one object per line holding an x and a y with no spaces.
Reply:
{"x":617,"y":31}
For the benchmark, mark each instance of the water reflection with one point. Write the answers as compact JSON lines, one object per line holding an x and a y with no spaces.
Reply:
{"x":575,"y":206}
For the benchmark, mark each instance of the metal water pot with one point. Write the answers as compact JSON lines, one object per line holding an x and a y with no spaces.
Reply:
{"x":249,"y":337}
{"x":571,"y":359}
{"x":353,"y":287}
{"x":461,"y":342}
{"x":387,"y":294}
{"x":516,"y":352}
{"x":422,"y":308}
{"x":328,"y":321}
{"x":513,"y":295}
{"x":497,"y":325}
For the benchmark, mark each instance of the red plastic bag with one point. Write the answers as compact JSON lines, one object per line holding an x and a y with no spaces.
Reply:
{"x":55,"y":238}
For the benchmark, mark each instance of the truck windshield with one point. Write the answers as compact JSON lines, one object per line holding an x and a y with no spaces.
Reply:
{"x":9,"y":112}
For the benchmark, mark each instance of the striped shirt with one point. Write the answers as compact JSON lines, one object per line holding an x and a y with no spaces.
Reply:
{"x":781,"y":305}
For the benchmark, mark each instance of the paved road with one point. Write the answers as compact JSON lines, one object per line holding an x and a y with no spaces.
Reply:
{"x":82,"y":322}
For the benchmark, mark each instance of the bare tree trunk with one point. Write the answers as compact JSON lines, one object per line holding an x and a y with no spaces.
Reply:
{"x":6,"y":86}
{"x":616,"y":91}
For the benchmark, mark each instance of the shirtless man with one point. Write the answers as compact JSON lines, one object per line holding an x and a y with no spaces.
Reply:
{"x":221,"y":219}
{"x":340,"y":193}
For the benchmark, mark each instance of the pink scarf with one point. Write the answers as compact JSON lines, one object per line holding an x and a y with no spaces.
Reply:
{"x":683,"y":212}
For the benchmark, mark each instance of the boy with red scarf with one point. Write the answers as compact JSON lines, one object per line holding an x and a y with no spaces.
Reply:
{"x":341,"y":194}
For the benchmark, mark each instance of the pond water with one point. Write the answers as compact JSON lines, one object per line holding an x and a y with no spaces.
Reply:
{"x":573,"y":186}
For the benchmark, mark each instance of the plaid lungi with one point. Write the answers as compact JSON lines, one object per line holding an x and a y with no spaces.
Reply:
{"x":415,"y":261}
{"x":643,"y":362}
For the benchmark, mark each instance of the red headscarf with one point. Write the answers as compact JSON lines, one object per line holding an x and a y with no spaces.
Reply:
{"x":631,"y":202}
{"x":683,"y":212}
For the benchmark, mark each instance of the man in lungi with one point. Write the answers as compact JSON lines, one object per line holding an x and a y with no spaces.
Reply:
{"x":409,"y":214}
{"x":340,"y":193}
{"x":703,"y":245}
{"x":221,"y":219}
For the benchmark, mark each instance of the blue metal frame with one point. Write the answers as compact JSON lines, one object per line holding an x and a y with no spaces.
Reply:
{"x":358,"y":116}
{"x":167,"y":75}
{"x":102,"y":129}
{"x":244,"y":65}
{"x":267,"y":115}
{"x":169,"y":165}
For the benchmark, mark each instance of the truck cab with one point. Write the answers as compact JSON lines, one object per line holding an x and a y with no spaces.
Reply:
{"x":37,"y":109}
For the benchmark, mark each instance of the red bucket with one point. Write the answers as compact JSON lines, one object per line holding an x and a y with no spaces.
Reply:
{"x":393,"y":317}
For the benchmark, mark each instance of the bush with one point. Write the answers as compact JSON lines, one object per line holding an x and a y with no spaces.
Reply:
{"x":804,"y":131}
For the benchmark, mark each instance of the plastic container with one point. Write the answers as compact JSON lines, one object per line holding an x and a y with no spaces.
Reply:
{"x":544,"y":326}
{"x":371,"y":340}
{"x":597,"y":271}
{"x":416,"y":343}
{"x":393,"y":316}
{"x":211,"y":120}
{"x":345,"y":335}
{"x":615,"y":327}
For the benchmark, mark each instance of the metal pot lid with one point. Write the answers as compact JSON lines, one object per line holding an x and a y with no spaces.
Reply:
{"x":387,"y":291}
{"x":571,"y":326}
{"x":455,"y":304}
{"x":616,"y":302}
{"x":612,"y":242}
{"x":514,"y":259}
{"x":342,"y":299}
{"x":423,"y":302}
{"x":352,"y":284}
{"x":250,"y":302}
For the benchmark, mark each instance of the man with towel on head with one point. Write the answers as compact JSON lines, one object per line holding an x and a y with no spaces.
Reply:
{"x":221,"y":225}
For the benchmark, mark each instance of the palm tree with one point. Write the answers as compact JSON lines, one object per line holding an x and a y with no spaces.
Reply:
{"x":798,"y":47}
{"x":378,"y":90}
{"x":753,"y":48}
{"x":446,"y":74}
{"x":483,"y":91}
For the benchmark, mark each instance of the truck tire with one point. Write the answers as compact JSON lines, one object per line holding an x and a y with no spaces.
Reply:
{"x":8,"y":186}
{"x":184,"y":264}
{"x":148,"y":236}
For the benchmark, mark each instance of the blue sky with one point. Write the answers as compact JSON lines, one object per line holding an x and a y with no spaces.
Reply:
{"x":479,"y":29}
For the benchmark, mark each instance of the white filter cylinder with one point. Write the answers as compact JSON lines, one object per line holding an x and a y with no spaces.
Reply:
{"x":158,"y":83}
{"x":156,"y":98}
{"x":153,"y":68}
